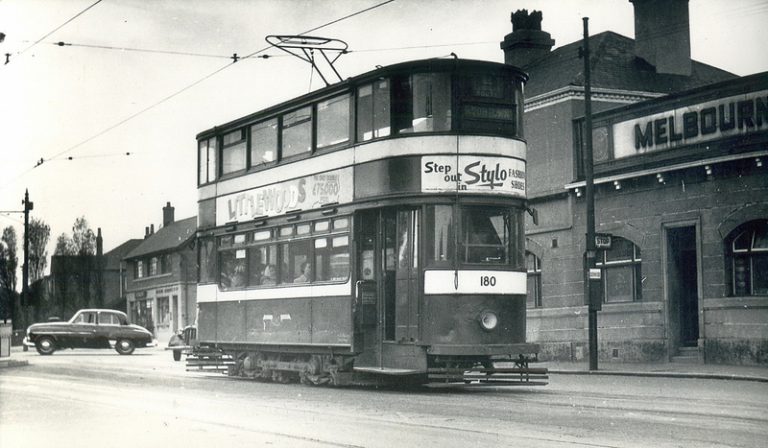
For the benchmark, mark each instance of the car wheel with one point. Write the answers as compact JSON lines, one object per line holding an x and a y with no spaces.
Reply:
{"x":124,"y":346}
{"x":45,"y":345}
{"x":177,"y":355}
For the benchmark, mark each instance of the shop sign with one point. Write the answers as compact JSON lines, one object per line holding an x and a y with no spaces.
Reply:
{"x":473,"y":174}
{"x":725,"y":117}
{"x":167,"y":290}
{"x":140,"y":294}
{"x":305,"y":193}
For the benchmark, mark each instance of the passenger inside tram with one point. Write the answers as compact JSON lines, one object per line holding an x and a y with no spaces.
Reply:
{"x":269,"y":277}
{"x":306,"y":272}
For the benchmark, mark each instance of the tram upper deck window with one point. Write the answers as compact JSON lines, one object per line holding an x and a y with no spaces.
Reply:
{"x":490,"y":236}
{"x":373,"y":110}
{"x":233,"y":152}
{"x":334,"y":121}
{"x":489,"y":103}
{"x":422,"y":103}
{"x":297,"y":132}
{"x":207,"y":160}
{"x":264,"y":142}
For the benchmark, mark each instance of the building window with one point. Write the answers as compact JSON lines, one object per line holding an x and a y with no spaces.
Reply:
{"x":165,"y":264}
{"x":207,"y":161}
{"x":264,"y":142}
{"x":140,"y":269}
{"x":233,"y":152}
{"x":333,"y":121}
{"x":747,"y":253}
{"x":533,"y":266}
{"x":153,"y":263}
{"x":621,"y":271}
{"x":373,"y":110}
{"x":297,"y":132}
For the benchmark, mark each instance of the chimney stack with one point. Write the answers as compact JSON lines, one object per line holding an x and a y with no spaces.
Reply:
{"x":99,"y":243}
{"x":151,"y":229}
{"x":663,"y":35}
{"x":146,"y":232}
{"x":168,"y":214}
{"x":527,"y":42}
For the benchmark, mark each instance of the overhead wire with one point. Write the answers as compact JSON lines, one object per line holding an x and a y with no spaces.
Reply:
{"x":195,"y":83}
{"x":60,"y":26}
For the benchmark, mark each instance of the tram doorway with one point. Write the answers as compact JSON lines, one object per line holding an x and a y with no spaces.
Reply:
{"x":682,"y":285}
{"x":387,"y":285}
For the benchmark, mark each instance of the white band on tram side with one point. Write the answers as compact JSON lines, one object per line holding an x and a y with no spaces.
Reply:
{"x":212,"y":293}
{"x":475,"y":282}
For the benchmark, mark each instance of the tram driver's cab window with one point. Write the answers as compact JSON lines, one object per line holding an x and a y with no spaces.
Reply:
{"x":488,"y":236}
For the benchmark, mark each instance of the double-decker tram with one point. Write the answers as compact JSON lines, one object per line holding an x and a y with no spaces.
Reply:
{"x":371,"y":230}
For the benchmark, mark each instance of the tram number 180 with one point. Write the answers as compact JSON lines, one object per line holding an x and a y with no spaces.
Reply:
{"x":487,"y":280}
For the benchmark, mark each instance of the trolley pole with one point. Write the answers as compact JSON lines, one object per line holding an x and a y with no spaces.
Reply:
{"x":592,"y":287}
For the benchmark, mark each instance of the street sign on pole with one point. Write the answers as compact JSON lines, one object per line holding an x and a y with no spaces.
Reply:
{"x":603,"y":241}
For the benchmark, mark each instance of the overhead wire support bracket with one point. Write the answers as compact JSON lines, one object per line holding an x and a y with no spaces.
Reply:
{"x":304,"y":47}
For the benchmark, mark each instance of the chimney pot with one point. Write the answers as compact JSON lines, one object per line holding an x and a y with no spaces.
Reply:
{"x":527,"y":42}
{"x":168,"y":214}
{"x":663,"y":35}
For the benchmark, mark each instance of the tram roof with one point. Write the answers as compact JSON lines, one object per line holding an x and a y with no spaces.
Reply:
{"x":417,"y":66}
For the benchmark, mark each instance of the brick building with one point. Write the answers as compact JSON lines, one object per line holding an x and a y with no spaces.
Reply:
{"x":675,"y":285}
{"x":161,"y":276}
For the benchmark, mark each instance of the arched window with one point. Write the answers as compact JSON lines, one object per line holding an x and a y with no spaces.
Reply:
{"x":747,"y":254}
{"x":620,"y":267}
{"x":533,"y":265}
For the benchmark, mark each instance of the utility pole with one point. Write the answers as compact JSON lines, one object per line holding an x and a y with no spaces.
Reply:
{"x":593,"y":285}
{"x":28,"y":206}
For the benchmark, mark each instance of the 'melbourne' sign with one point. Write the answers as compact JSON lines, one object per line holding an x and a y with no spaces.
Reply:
{"x":721,"y":118}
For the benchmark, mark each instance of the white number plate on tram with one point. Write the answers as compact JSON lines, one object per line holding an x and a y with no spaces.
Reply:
{"x":475,"y":282}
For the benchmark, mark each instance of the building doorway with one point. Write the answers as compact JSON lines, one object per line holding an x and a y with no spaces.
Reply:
{"x":683,"y":286}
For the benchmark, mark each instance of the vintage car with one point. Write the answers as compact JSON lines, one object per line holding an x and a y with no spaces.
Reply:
{"x":89,"y":328}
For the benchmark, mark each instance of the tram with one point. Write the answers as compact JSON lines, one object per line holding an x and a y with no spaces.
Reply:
{"x":371,"y":230}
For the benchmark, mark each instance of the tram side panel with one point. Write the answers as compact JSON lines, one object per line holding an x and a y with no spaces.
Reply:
{"x":290,"y":321}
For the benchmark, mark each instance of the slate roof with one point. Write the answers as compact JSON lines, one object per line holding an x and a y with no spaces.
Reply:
{"x":167,"y":238}
{"x":613,"y":66}
{"x":114,"y":256}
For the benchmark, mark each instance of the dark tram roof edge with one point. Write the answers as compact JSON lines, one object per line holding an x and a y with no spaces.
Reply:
{"x":421,"y":65}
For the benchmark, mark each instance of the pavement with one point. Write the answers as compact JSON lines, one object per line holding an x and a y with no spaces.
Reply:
{"x":661,"y":369}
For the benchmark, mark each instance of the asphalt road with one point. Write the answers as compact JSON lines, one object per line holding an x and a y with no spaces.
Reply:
{"x":92,"y":398}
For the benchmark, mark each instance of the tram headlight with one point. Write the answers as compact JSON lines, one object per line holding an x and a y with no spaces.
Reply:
{"x":488,"y":320}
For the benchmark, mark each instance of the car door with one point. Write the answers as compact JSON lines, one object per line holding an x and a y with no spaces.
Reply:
{"x":83,"y":331}
{"x":107,"y":329}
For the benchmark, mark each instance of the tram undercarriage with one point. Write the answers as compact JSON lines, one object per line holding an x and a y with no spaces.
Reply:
{"x":339,"y":369}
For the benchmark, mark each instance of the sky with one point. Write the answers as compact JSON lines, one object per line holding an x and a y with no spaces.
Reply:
{"x":114,"y":115}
